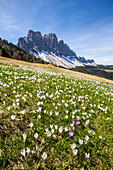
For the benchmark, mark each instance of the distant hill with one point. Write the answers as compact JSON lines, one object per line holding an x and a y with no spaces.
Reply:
{"x":12,"y":51}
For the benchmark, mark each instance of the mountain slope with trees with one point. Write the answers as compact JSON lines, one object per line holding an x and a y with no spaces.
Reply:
{"x":12,"y":51}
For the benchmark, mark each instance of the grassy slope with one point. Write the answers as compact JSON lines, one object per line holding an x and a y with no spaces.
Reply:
{"x":50,"y":67}
{"x":57,"y":96}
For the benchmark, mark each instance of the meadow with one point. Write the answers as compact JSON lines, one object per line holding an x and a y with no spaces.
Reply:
{"x":50,"y":120}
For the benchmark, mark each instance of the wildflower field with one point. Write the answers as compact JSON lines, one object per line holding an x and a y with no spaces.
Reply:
{"x":53,"y":121}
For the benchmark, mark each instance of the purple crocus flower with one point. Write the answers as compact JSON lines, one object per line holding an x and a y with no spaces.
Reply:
{"x":73,"y":128}
{"x":78,"y":122}
{"x":23,"y":152}
{"x":75,"y":145}
{"x":37,"y":110}
{"x":89,"y":111}
{"x":82,"y":100}
{"x":73,"y":121}
{"x":78,"y":118}
{"x":71,"y":134}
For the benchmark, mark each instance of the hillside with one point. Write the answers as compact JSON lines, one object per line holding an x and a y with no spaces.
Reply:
{"x":54,"y":121}
{"x":52,"y":68}
{"x":12,"y":51}
{"x":96,"y":71}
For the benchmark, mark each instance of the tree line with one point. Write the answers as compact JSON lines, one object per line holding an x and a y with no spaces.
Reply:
{"x":12,"y":51}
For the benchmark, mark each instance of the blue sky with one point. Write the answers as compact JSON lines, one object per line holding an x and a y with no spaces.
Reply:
{"x":85,"y":25}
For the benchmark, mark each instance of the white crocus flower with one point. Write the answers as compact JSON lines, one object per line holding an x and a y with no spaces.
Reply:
{"x":73,"y":146}
{"x":22,"y":112}
{"x":66,"y":129}
{"x":60,"y":129}
{"x":56,"y":127}
{"x":86,"y":138}
{"x":51,"y":126}
{"x":48,"y":133}
{"x":66,"y":116}
{"x":36,"y":135}
{"x":87,"y":155}
{"x":24,"y":136}
{"x":80,"y":141}
{"x":8,"y":108}
{"x":52,"y":131}
{"x":28,"y":150}
{"x":100,"y":137}
{"x":31,"y":125}
{"x":13,"y":117}
{"x":44,"y":155}
{"x":75,"y":151}
{"x":39,"y":116}
{"x":56,"y":113}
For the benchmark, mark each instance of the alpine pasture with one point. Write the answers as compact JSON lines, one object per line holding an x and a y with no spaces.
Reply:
{"x":50,"y":120}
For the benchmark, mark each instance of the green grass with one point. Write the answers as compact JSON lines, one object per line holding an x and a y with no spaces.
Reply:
{"x":48,"y":99}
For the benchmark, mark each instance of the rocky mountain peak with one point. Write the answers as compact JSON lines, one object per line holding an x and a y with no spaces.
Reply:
{"x":48,"y":42}
{"x":52,"y":50}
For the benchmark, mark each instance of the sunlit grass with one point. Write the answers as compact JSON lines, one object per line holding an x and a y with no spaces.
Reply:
{"x":53,"y":121}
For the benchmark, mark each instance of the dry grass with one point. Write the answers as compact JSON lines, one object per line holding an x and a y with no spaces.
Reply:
{"x":50,"y":67}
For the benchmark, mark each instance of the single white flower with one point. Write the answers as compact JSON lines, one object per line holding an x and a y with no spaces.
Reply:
{"x":66,"y":129}
{"x":52,"y":131}
{"x":87,"y":122}
{"x":60,"y":129}
{"x":93,"y":133}
{"x":75,"y":151}
{"x":44,"y":155}
{"x":50,"y":113}
{"x":80,"y":141}
{"x":36,"y":135}
{"x":89,"y":131}
{"x":66,"y":116}
{"x":28,"y":150}
{"x":22,"y":112}
{"x":56,"y":113}
{"x":48,"y":133}
{"x":14,"y":104}
{"x":87,"y":155}
{"x":46,"y":130}
{"x":23,"y":152}
{"x":13,"y":117}
{"x":86,"y":138}
{"x":100,"y":137}
{"x":56,"y":127}
{"x":24,"y":136}
{"x":51,"y":126}
{"x":31,"y":125}
{"x":73,"y":116}
{"x":73,"y":146}
{"x":39,"y":116}
{"x":8,"y":108}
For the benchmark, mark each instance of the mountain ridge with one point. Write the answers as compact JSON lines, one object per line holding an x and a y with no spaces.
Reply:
{"x":52,"y":50}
